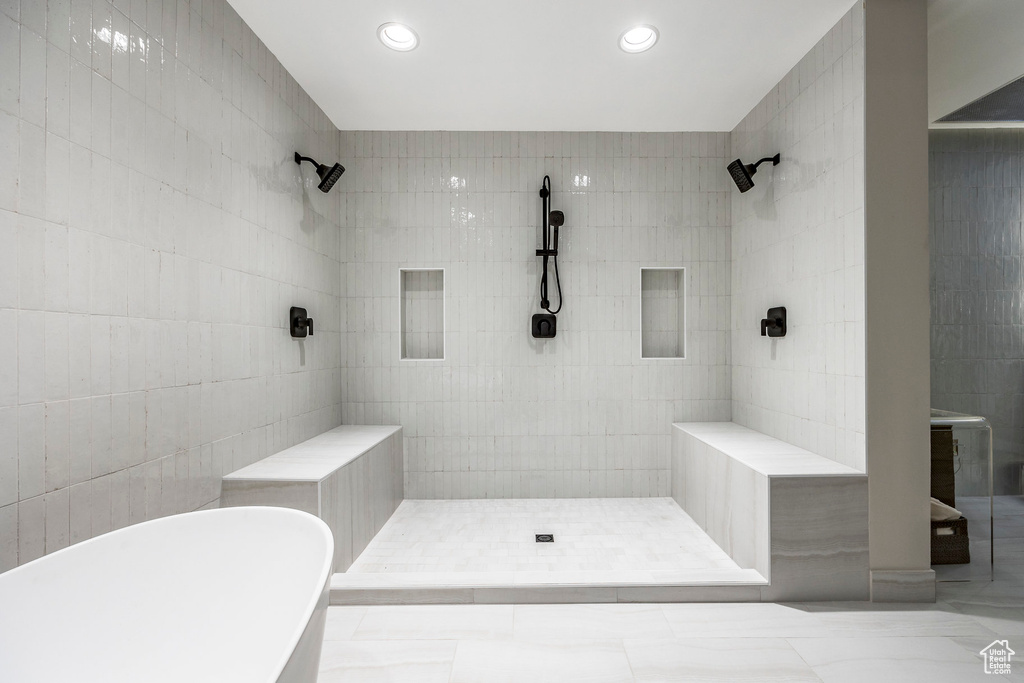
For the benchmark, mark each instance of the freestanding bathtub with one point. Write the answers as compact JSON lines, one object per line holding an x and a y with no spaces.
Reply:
{"x":236,"y":594}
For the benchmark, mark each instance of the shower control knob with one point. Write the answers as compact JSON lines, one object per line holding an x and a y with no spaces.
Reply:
{"x":775,"y":324}
{"x":543,"y":326}
{"x":300,"y":324}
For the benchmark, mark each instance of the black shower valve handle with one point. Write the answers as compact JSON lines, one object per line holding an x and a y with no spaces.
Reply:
{"x":299,"y":323}
{"x":302,"y":321}
{"x":774,"y":324}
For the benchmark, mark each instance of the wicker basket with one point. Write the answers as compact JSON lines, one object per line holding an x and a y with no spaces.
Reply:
{"x":952,"y":548}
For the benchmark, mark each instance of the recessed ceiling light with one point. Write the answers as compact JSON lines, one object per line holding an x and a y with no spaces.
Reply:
{"x":638,"y":39}
{"x":398,"y":36}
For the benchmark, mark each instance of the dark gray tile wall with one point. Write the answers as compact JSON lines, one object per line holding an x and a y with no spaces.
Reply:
{"x":977,"y":287}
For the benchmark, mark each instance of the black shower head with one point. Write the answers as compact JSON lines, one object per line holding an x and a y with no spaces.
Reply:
{"x":328,"y":175}
{"x":556,"y":219}
{"x":742,"y":174}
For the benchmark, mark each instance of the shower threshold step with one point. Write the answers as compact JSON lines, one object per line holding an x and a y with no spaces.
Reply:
{"x":520,"y":587}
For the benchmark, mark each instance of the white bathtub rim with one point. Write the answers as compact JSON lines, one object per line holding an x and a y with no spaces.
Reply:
{"x":326,"y":569}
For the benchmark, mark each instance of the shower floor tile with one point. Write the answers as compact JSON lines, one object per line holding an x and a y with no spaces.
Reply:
{"x":619,"y":538}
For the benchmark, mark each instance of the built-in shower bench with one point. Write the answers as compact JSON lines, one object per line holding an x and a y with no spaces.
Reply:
{"x":799,"y":519}
{"x":351,"y":477}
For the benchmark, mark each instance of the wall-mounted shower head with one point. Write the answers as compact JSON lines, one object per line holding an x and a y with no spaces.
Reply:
{"x":556,"y":219}
{"x":742,"y":174}
{"x":328,"y":175}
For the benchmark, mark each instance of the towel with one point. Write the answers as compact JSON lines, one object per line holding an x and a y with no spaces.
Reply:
{"x":943,"y":513}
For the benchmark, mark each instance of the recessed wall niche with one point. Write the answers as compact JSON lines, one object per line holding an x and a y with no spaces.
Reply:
{"x":422,"y":323}
{"x":663,"y":312}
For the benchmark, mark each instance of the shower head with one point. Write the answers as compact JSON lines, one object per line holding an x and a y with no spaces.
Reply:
{"x":556,"y":219}
{"x":328,"y":175}
{"x":742,"y":174}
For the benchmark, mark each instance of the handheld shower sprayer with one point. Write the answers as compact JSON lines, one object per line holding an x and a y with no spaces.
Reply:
{"x":556,"y":219}
{"x":743,"y":174}
{"x":328,"y":176}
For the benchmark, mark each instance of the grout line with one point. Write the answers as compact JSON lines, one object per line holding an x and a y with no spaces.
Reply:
{"x":359,"y":623}
{"x":629,"y":662}
{"x":797,"y":653}
{"x":451,"y":672}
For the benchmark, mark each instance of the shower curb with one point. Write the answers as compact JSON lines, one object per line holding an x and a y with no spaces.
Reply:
{"x":418,"y":592}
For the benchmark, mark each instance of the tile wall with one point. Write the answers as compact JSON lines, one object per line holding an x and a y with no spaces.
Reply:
{"x":798,"y":242}
{"x":977,"y":294}
{"x":506,"y":415}
{"x":154,"y":233}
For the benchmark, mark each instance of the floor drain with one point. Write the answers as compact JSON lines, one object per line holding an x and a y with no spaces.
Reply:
{"x":545,"y":538}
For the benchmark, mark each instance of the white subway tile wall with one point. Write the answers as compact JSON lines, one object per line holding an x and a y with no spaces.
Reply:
{"x":505,"y":415}
{"x":154,"y":231}
{"x":798,"y":242}
{"x":977,"y":295}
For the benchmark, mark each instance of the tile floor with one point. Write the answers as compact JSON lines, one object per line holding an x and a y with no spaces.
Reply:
{"x":829,"y":642}
{"x":591,"y":534}
{"x":1008,"y":528}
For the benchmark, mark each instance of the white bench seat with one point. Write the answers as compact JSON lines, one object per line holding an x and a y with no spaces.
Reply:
{"x":319,"y":457}
{"x":765,"y":454}
{"x":799,"y":519}
{"x":351,"y":477}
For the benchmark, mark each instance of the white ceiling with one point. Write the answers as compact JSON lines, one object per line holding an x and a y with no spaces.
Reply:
{"x":540,"y":64}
